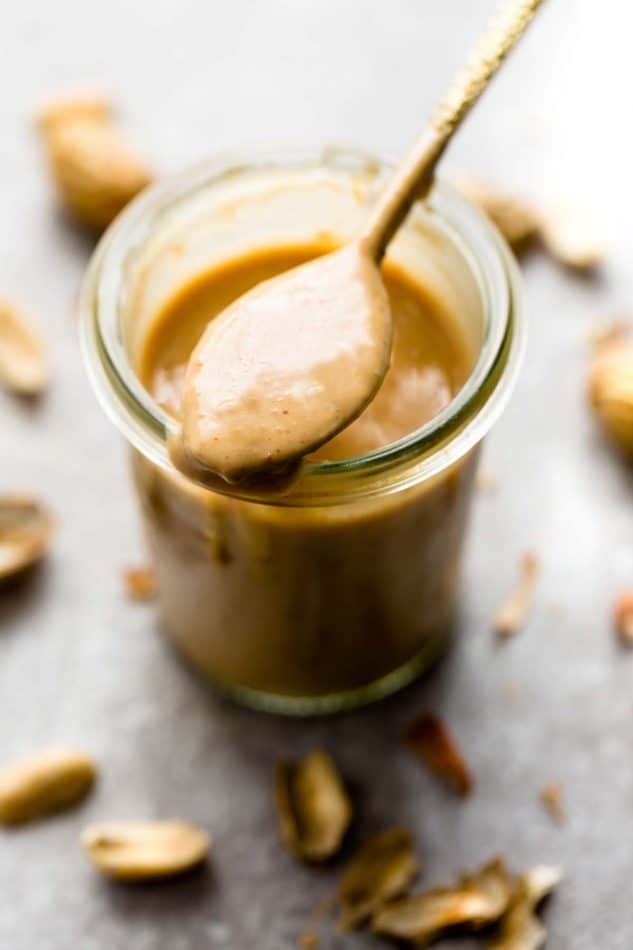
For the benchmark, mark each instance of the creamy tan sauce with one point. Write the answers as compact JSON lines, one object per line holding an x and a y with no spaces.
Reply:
{"x":285,"y":367}
{"x":429,"y":359}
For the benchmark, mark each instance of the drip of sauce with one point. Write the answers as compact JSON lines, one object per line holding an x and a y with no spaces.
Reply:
{"x":429,"y":358}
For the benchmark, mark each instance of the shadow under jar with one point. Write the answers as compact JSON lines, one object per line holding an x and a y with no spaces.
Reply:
{"x":344,"y":588}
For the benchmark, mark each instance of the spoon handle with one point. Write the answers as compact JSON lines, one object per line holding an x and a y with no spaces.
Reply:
{"x":414,"y":176}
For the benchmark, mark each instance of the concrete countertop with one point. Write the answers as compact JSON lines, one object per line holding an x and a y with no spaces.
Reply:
{"x":79,"y":663}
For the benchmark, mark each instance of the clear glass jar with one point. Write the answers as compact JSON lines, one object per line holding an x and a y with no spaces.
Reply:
{"x":344,"y":589}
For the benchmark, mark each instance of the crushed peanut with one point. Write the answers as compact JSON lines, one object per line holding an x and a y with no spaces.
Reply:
{"x":143,"y":850}
{"x":47,"y":781}
{"x":552,"y":799}
{"x":517,"y":220}
{"x":94,"y":169}
{"x":428,"y":739}
{"x":26,"y":531}
{"x":610,"y":391}
{"x":513,"y":612}
{"x":601,"y":334}
{"x":486,"y":481}
{"x":382,"y":869}
{"x":572,"y":237}
{"x":623,"y":618}
{"x":477,"y":900}
{"x":314,"y":808}
{"x":308,"y":941}
{"x":140,"y":582}
{"x":520,"y":928}
{"x":24,"y":363}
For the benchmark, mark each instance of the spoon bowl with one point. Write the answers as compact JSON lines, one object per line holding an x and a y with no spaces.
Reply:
{"x":286,"y":367}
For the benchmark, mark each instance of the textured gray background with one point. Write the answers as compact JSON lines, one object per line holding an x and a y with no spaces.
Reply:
{"x":79,"y":663}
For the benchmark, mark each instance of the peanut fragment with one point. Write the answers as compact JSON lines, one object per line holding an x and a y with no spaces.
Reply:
{"x":381,"y":870}
{"x":46,"y":782}
{"x":476,"y":901}
{"x":140,"y":582}
{"x":308,"y":941}
{"x":623,"y":618}
{"x":143,"y":850}
{"x":24,"y":365}
{"x":517,"y":220}
{"x":572,"y":237}
{"x":26,"y":529}
{"x":610,"y":391}
{"x":96,"y":172}
{"x":552,"y":799}
{"x":486,"y":481}
{"x":602,"y":334}
{"x":314,"y":808}
{"x":566,"y":231}
{"x":512,"y":614}
{"x":520,"y":928}
{"x":428,"y":738}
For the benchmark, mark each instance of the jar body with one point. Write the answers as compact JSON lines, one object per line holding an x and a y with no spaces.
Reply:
{"x":307,"y":604}
{"x":344,"y":588}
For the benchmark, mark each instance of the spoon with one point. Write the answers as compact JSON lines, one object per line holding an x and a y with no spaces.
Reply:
{"x":298,"y":357}
{"x":26,"y":530}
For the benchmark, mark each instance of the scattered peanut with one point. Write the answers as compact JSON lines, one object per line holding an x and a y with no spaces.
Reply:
{"x":46,"y":782}
{"x":26,"y":529}
{"x":314,"y":807}
{"x":610,"y":391}
{"x":381,"y":870}
{"x":486,"y":481}
{"x":623,"y":618}
{"x":566,"y":231}
{"x":520,"y":927}
{"x":517,"y":220}
{"x":142,"y":850}
{"x":428,"y":738}
{"x":512,"y":614}
{"x":95,"y":170}
{"x":603,"y":333}
{"x":572,"y":237}
{"x":552,"y":799}
{"x":140,"y":582}
{"x":24,"y":365}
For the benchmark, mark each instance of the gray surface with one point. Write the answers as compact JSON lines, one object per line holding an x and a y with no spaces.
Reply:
{"x":80,"y":664}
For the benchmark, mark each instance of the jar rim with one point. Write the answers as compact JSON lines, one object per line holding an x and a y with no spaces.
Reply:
{"x":419,"y":455}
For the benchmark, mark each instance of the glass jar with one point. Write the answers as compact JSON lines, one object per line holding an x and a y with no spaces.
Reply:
{"x":343,"y":589}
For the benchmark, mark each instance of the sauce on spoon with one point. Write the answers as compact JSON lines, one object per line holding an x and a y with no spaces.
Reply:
{"x":286,"y":367}
{"x":298,"y":358}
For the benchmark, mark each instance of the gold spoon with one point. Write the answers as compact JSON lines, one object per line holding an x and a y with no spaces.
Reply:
{"x":296,"y":359}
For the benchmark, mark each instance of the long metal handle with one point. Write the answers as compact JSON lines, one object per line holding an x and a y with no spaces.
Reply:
{"x":414,"y":176}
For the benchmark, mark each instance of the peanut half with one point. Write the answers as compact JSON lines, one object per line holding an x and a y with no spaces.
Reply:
{"x":24,"y":365}
{"x":572,"y":237}
{"x":142,"y":850}
{"x":314,"y":807}
{"x":45,"y":782}
{"x":139,"y":582}
{"x":96,"y":172}
{"x":517,"y":220}
{"x":610,"y":391}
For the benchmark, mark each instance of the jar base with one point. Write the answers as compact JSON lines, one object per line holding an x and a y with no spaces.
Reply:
{"x":331,"y":703}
